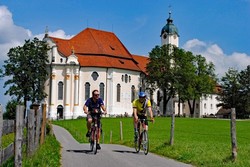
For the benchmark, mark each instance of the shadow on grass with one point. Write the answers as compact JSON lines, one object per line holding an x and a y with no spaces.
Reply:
{"x":163,"y":145}
{"x":229,"y":159}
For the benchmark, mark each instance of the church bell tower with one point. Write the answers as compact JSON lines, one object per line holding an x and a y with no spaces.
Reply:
{"x":169,"y":33}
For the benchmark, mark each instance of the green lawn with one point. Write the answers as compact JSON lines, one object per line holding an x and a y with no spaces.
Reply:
{"x":200,"y":142}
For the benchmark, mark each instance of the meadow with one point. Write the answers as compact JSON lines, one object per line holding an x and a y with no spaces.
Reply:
{"x":200,"y":142}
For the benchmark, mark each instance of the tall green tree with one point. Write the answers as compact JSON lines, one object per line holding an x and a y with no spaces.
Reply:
{"x":26,"y":69}
{"x":179,"y":72}
{"x":236,"y":91}
{"x":159,"y":71}
{"x":244,"y":94}
{"x":230,"y":88}
{"x":203,"y":83}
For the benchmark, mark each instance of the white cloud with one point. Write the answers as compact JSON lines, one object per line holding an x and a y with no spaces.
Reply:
{"x":213,"y":53}
{"x":57,"y":33}
{"x":13,"y":36}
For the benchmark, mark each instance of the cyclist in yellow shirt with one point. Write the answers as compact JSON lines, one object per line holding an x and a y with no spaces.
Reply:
{"x":140,"y":107}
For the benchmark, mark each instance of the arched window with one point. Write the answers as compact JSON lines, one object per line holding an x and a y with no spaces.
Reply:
{"x":118,"y":96}
{"x":60,"y":90}
{"x":87,"y":90}
{"x":132,"y":93}
{"x":101,"y":87}
{"x":126,"y":78}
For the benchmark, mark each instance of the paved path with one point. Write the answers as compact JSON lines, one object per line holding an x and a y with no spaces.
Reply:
{"x":75,"y":154}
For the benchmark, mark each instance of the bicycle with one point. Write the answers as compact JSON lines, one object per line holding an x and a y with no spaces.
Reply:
{"x":94,"y":133}
{"x":142,"y":137}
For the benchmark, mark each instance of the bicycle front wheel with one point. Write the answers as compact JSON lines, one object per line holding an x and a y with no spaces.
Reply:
{"x":145,"y":142}
{"x":137,"y":144}
{"x":95,"y":142}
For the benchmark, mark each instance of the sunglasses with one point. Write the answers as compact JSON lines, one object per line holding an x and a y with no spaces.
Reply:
{"x":96,"y":94}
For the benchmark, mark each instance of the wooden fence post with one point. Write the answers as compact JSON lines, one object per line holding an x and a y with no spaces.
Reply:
{"x":31,"y":132}
{"x":43,"y":123}
{"x":110,"y":138}
{"x":172,"y":127}
{"x":37,"y":125}
{"x":121,"y":133}
{"x":19,"y":135}
{"x":1,"y":127}
{"x":233,"y":134}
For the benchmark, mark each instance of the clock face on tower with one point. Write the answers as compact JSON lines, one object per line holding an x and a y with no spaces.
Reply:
{"x":165,"y":36}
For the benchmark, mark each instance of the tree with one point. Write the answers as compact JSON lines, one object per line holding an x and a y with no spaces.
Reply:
{"x":203,"y":82}
{"x":230,"y":88}
{"x":236,"y":91}
{"x":244,"y":94}
{"x":11,"y":110}
{"x":178,"y":72}
{"x":159,"y":72}
{"x":26,"y":68}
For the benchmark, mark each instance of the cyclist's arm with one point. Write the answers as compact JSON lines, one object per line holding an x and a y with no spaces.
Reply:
{"x":85,"y":109}
{"x":104,"y":109}
{"x":150,"y":112}
{"x":135,"y":112}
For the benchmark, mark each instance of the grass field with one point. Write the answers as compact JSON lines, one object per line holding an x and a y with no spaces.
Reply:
{"x":200,"y":142}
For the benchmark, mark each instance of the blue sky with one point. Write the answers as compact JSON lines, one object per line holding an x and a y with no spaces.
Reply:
{"x":216,"y":29}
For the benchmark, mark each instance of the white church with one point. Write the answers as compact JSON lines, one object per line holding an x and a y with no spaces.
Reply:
{"x":96,"y":59}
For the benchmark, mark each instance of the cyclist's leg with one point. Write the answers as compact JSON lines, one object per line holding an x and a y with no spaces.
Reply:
{"x":136,"y":132}
{"x":98,"y":133}
{"x":89,"y":121}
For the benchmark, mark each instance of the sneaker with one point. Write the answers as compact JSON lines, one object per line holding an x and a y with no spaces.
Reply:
{"x":98,"y":146}
{"x":88,"y":134}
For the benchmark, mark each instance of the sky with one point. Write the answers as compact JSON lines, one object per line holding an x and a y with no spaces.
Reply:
{"x":219,"y":30}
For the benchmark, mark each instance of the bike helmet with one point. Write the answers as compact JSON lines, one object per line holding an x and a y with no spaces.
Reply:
{"x":142,"y":94}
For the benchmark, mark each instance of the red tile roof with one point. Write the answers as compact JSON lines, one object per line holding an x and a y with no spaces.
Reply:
{"x":142,"y":62}
{"x":97,"y":48}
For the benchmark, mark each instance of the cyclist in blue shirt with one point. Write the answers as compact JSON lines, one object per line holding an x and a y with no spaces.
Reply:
{"x":94,"y":106}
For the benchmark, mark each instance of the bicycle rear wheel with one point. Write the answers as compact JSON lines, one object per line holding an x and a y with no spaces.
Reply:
{"x":145,"y":142}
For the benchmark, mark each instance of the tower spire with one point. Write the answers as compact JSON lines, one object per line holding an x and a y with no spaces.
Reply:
{"x":46,"y":32}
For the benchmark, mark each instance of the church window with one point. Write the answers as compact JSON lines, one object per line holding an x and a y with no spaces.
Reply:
{"x":122,"y":78}
{"x":126,"y":78}
{"x":87,"y":90}
{"x":129,"y":78}
{"x":132,"y":93}
{"x":95,"y":75}
{"x":101,"y":90}
{"x":118,"y":96}
{"x":60,"y":90}
{"x":53,"y":58}
{"x":61,"y":60}
{"x":205,"y":106}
